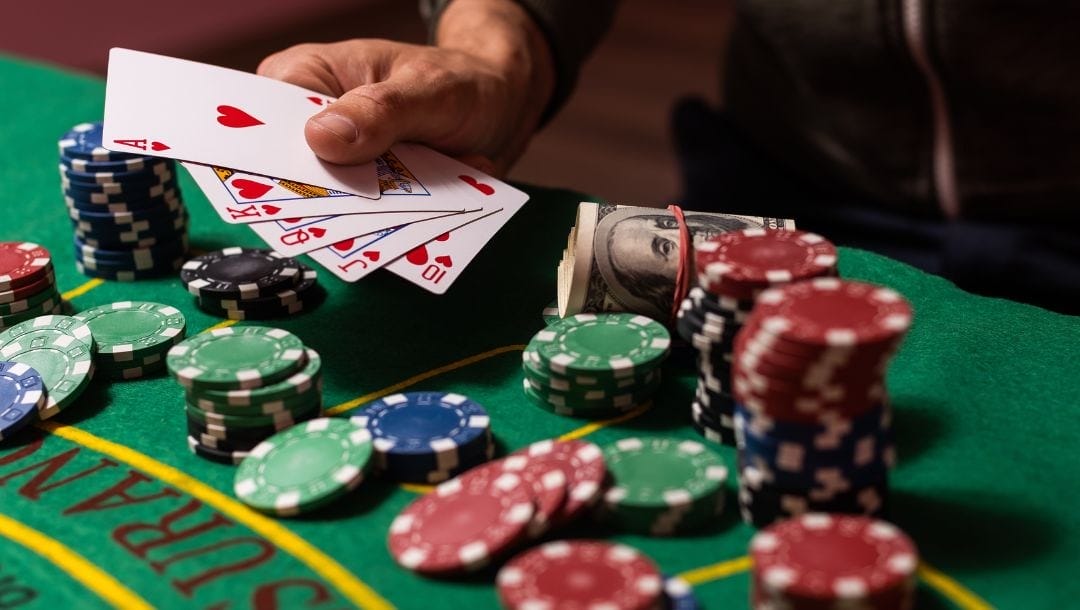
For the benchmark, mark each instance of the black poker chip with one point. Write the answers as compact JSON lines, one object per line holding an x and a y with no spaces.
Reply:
{"x":240,"y":273}
{"x":289,"y":301}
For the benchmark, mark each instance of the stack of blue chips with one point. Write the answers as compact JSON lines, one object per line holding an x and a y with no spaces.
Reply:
{"x":127,"y":212}
{"x":836,"y":466}
{"x":427,"y":437}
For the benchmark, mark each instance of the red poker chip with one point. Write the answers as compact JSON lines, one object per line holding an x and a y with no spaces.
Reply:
{"x":758,"y":337}
{"x":583,"y":464}
{"x":813,"y":375}
{"x":22,"y":263}
{"x":831,"y":557}
{"x":580,"y":575}
{"x":27,"y":290}
{"x":549,"y":486}
{"x":738,"y":262}
{"x":463,"y":523}
{"x":833,"y":312}
{"x":805,"y":407}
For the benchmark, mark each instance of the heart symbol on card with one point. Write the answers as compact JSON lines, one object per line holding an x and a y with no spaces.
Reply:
{"x":231,"y":116}
{"x":445,"y":261}
{"x":486,"y":189}
{"x":315,"y":100}
{"x":317,"y":232}
{"x":343,"y":246}
{"x":372,"y":255}
{"x":158,"y":146}
{"x":270,"y":210}
{"x":418,"y":255}
{"x":250,"y":189}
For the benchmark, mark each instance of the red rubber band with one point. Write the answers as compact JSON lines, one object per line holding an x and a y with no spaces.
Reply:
{"x":686,"y":248}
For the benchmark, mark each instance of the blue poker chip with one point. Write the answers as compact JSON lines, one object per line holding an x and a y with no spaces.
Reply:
{"x":144,"y":190}
{"x":84,"y":142}
{"x":165,"y":213}
{"x":113,"y":238}
{"x":134,"y":205}
{"x":144,"y":226}
{"x":155,"y":175}
{"x":22,"y":395}
{"x":842,"y":433}
{"x":130,"y":275}
{"x":419,"y":432}
{"x":164,"y":251}
{"x":679,"y":595}
{"x":761,"y":503}
{"x":134,"y":164}
{"x":131,"y":199}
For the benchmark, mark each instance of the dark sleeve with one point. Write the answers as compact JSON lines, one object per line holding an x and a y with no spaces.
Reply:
{"x":573,"y":28}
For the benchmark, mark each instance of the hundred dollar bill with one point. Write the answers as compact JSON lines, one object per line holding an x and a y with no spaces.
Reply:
{"x":625,"y":258}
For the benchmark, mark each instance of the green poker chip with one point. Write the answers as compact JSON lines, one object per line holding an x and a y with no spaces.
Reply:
{"x":65,"y":363}
{"x":291,"y":404}
{"x":534,"y":369}
{"x":614,"y":345}
{"x":280,"y":419}
{"x":129,"y":331}
{"x":304,"y":467}
{"x":236,"y":358}
{"x":307,"y":380}
{"x":73,"y":327}
{"x":589,"y":400}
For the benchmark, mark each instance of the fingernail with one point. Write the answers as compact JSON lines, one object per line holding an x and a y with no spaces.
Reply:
{"x":338,"y":125}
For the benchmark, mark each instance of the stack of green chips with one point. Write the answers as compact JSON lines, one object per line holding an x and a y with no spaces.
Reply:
{"x":242,"y":385}
{"x":133,"y":337}
{"x":595,"y":365}
{"x":663,"y":486}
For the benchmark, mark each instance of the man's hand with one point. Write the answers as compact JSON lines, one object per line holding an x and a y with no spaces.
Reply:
{"x":478,"y":95}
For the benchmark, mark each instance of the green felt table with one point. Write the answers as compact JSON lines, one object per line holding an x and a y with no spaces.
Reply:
{"x":104,"y":505}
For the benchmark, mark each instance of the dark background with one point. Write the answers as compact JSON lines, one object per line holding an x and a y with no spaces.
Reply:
{"x":611,"y":140}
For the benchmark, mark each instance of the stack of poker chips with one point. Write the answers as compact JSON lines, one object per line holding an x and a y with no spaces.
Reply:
{"x":813,"y":424}
{"x":595,"y":365}
{"x":305,"y":468}
{"x":822,"y":560}
{"x":22,"y":397}
{"x":129,"y":219}
{"x":27,"y":283}
{"x":483,"y":514}
{"x":61,"y":348}
{"x":242,"y":385}
{"x":732,"y":270}
{"x":662,"y":486}
{"x":133,"y":336}
{"x":250,"y":284}
{"x":427,"y":437}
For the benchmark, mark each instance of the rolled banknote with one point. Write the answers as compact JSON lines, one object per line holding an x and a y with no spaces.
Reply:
{"x":625,"y":258}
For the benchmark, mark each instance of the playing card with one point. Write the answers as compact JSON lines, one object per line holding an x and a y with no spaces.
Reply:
{"x":408,"y":182}
{"x":168,"y":107}
{"x":436,"y":264}
{"x":353,"y":259}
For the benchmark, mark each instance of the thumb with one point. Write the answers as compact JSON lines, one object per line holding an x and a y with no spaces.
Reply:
{"x":369,"y":119}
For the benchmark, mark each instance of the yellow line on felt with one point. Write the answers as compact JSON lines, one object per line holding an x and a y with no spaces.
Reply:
{"x":589,"y":428}
{"x":112,"y":591}
{"x":951,"y":589}
{"x":221,"y":324}
{"x":717,"y":571}
{"x":415,"y":379}
{"x":83,"y":289}
{"x":351,"y":587}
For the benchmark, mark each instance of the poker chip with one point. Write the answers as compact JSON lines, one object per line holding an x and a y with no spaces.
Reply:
{"x":292,"y":404}
{"x":595,"y":366}
{"x":427,"y":437}
{"x":463,"y":524}
{"x":549,"y":482}
{"x":580,"y":574}
{"x":22,"y":263}
{"x":220,"y":456}
{"x":28,"y":290}
{"x":240,"y":274}
{"x":740,"y":264}
{"x":60,"y":348}
{"x":127,"y":213}
{"x":733,"y":269}
{"x":304,"y":467}
{"x":127,"y":331}
{"x":584,"y":468}
{"x":551,"y":313}
{"x":663,"y":486}
{"x":83,"y":141}
{"x":306,"y":380}
{"x":236,"y":358}
{"x":845,"y":560}
{"x":279,"y":420}
{"x":616,"y":344}
{"x":22,"y":397}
